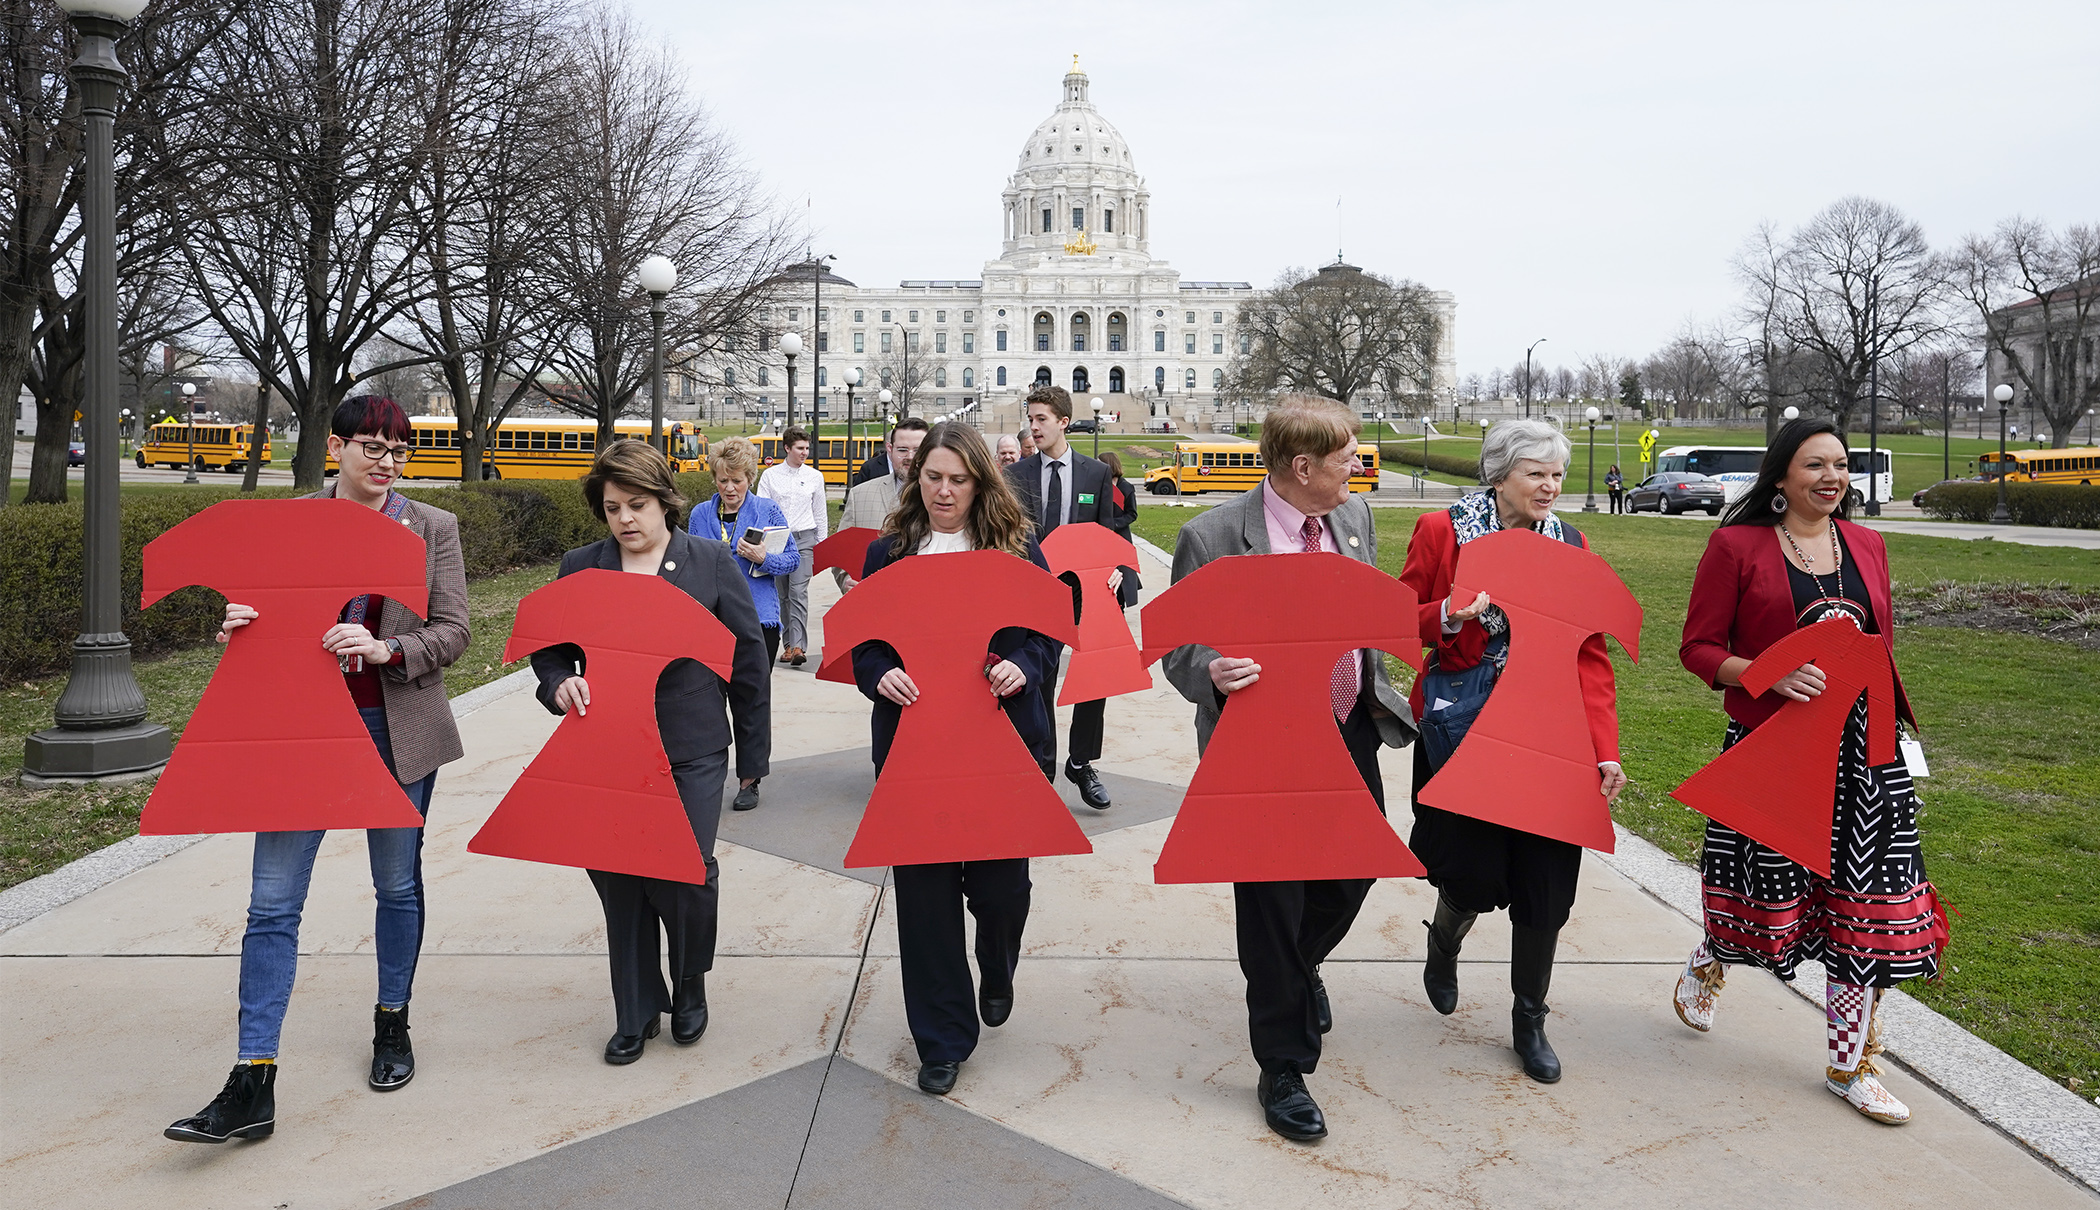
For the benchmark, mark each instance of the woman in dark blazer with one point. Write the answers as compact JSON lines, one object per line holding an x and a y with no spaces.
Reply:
{"x":630,"y":485}
{"x":1785,"y":557}
{"x":1478,"y":866}
{"x":958,"y":501}
{"x":1124,"y":497}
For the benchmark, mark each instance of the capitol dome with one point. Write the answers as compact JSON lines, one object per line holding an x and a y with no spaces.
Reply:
{"x":1075,"y":185}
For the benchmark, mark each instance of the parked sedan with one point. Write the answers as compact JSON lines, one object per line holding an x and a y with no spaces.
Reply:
{"x":1673,"y":492}
{"x":1917,"y":498}
{"x":76,"y":453}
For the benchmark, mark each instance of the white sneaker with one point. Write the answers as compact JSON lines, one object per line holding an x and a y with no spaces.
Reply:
{"x":1865,"y":1093}
{"x":1698,"y":991}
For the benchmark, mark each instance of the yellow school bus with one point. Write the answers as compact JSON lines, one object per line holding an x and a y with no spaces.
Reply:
{"x":219,"y":447}
{"x":1233,"y":466}
{"x":537,"y":448}
{"x":2078,"y":465}
{"x":838,"y":457}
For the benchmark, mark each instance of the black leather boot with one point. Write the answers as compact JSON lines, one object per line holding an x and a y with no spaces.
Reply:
{"x":1440,"y":972}
{"x":245,"y":1109}
{"x":1530,"y":974}
{"x":393,"y":1063}
{"x":689,"y":1010}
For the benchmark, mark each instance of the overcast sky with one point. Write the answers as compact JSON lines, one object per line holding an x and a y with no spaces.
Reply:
{"x":1580,"y":172}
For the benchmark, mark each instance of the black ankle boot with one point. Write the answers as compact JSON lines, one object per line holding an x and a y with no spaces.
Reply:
{"x":245,"y":1109}
{"x":1440,"y":972}
{"x":393,"y":1062}
{"x":689,"y":1010}
{"x":1530,"y":974}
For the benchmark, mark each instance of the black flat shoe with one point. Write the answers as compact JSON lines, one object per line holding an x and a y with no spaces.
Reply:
{"x":1322,"y":1013}
{"x":626,"y":1048}
{"x":393,"y":1063}
{"x":1289,"y":1109}
{"x":245,"y":1109}
{"x":1091,"y":791}
{"x":689,"y":1011}
{"x":746,"y":798}
{"x":994,"y":1010}
{"x":938,"y":1078}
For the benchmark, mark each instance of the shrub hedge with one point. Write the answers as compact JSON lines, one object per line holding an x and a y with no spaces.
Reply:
{"x":1411,"y":455}
{"x":502,"y":525}
{"x":2064,"y":505}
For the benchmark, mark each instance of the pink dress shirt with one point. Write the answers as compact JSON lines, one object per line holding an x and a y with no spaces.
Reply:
{"x":1287,"y":537}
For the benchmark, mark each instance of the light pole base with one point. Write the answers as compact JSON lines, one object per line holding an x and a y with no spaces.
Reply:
{"x":58,"y":754}
{"x":1873,"y":508}
{"x":1590,"y":505}
{"x":2000,"y":516}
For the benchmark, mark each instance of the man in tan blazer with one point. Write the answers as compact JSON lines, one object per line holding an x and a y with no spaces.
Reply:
{"x":394,"y":667}
{"x":1287,"y":928}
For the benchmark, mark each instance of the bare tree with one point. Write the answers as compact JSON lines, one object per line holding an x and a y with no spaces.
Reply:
{"x":301,"y":247}
{"x":908,"y":372}
{"x":646,"y":172}
{"x":1856,"y":285}
{"x":2037,"y":292}
{"x":1683,"y":373}
{"x":1337,"y":332}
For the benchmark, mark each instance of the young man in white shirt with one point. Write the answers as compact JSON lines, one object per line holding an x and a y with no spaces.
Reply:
{"x":1058,"y":485}
{"x":798,"y":488}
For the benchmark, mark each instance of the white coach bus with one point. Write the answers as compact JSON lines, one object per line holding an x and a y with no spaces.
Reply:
{"x":1736,"y":467}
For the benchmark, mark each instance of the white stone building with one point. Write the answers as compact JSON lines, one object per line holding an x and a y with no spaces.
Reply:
{"x":1075,"y":297}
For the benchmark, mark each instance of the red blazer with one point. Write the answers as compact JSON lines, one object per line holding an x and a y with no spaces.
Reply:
{"x":1742,"y":603}
{"x":1432,"y":560}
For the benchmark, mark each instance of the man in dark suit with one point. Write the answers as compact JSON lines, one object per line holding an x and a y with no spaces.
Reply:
{"x":1058,"y":485}
{"x":1287,"y":928}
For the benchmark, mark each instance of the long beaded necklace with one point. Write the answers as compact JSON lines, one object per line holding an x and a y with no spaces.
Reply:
{"x":1808,"y":563}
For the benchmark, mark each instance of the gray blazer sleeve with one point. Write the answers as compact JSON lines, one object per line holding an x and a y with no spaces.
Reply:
{"x":443,"y":636}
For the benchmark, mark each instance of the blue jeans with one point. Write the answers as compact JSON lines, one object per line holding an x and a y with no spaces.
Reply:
{"x":284,"y":867}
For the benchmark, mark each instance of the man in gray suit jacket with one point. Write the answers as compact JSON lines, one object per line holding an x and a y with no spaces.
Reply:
{"x":1287,"y":928}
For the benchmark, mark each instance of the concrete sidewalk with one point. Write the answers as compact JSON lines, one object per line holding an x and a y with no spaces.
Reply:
{"x":1122,"y":1080}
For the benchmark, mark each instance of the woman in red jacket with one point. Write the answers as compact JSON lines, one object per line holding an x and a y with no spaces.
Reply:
{"x":1785,"y":557}
{"x":1478,"y":866}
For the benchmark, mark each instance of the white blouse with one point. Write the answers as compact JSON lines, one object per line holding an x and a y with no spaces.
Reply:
{"x":937,"y":543}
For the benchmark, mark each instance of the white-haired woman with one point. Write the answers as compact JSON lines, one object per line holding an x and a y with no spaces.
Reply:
{"x":1475,"y":865}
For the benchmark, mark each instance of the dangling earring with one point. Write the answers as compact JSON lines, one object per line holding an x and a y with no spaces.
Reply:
{"x":1778,"y":503}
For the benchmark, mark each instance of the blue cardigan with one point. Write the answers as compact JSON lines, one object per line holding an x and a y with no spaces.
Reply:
{"x":757,"y":513}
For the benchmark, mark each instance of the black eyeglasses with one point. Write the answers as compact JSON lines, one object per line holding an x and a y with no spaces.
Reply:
{"x":380,"y":451}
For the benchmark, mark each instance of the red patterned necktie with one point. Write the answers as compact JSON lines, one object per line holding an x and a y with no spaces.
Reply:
{"x":1341,"y":683}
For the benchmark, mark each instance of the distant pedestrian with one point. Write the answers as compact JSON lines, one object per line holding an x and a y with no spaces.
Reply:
{"x":868,"y":505}
{"x":730,"y":516}
{"x":1125,"y":500}
{"x":1026,"y":440}
{"x":798,"y":488}
{"x":630,"y":487}
{"x":1009,"y":450}
{"x":1785,"y":557}
{"x":393,"y":663}
{"x":1615,"y":483}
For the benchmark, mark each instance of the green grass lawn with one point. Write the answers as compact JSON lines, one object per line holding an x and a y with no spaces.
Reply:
{"x":2011,"y":819}
{"x":41,"y":830}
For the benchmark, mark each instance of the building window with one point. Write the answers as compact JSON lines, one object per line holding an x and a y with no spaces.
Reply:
{"x":940,"y":317}
{"x":885,"y":317}
{"x":1217,"y":342}
{"x":1217,"y":380}
{"x":823,"y":342}
{"x":729,"y":342}
{"x":1115,"y":381}
{"x":969,"y":378}
{"x":1078,"y":341}
{"x":823,"y":315}
{"x":823,"y":376}
{"x":764,"y":379}
{"x":885,"y":376}
{"x":969,"y":317}
{"x":1042,"y":376}
{"x":860,"y":317}
{"x":765,"y":340}
{"x":1000,"y":342}
{"x":886,"y":342}
{"x":1046,"y":220}
{"x":1115,"y":342}
{"x":1159,"y":341}
{"x":1217,"y":317}
{"x":860,"y":342}
{"x":1078,"y":218}
{"x":1188,"y":317}
{"x":1042,"y":342}
{"x":913,"y":317}
{"x":1246,"y":343}
{"x":1079,"y":382}
{"x":911,"y":342}
{"x":969,"y":342}
{"x":940,"y":342}
{"x":1108,"y":221}
{"x":794,"y":314}
{"x":1188,"y":343}
{"x":1191,"y":380}
{"x":940,"y":376}
{"x":729,"y":378}
{"x":1159,"y":378}
{"x":1002,"y":376}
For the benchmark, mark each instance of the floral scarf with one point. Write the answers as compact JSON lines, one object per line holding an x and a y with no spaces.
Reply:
{"x":1475,"y":516}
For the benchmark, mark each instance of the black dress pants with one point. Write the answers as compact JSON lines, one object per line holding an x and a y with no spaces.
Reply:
{"x":1481,"y":866}
{"x":635,"y":907}
{"x":1088,"y":724}
{"x":940,"y":1002}
{"x":1288,"y":928}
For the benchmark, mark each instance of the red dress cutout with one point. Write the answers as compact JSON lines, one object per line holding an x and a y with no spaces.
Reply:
{"x":1105,"y":661}
{"x":1276,"y":797}
{"x":275,"y":744}
{"x":600,"y":796}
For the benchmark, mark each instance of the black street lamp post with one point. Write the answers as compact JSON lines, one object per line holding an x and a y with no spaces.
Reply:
{"x":1591,"y":416}
{"x":189,"y":428}
{"x":101,"y":729}
{"x":659,"y":277}
{"x":2003,"y":394}
{"x":1527,"y":373}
